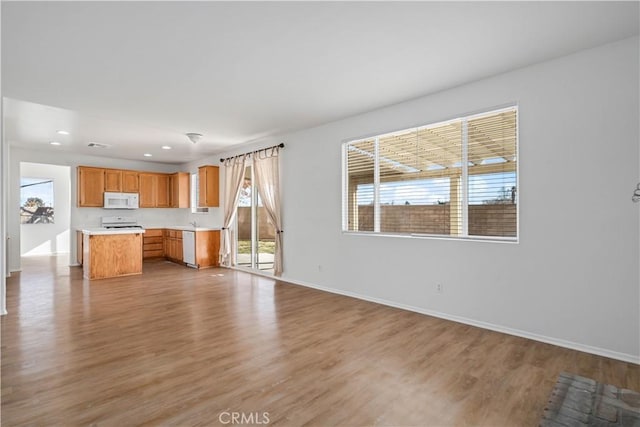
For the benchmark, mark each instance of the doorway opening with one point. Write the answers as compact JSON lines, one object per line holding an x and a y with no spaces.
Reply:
{"x":45,"y":209}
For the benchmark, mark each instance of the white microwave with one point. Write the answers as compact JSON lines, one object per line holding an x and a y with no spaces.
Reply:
{"x":120,"y":200}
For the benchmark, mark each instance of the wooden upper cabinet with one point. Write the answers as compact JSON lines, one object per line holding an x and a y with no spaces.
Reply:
{"x":90,"y":187}
{"x":208,"y":182}
{"x":121,"y":181}
{"x":130,"y":182}
{"x":154,"y":190}
{"x":162,"y":190}
{"x":148,"y":190}
{"x":113,"y":180}
{"x":179,"y":190}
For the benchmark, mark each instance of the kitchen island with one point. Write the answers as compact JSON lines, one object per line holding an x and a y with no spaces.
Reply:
{"x":111,"y":253}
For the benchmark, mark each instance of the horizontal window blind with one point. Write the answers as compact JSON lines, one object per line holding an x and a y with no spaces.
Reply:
{"x":457,"y":178}
{"x":361,"y":166}
{"x":492,"y":176}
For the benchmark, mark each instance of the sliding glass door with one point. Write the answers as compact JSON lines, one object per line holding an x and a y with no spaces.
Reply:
{"x":255,"y":234}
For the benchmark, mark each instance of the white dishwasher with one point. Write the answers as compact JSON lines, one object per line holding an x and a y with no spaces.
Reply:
{"x":189,"y":248}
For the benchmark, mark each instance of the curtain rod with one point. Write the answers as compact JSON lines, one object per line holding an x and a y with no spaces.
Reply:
{"x":281,"y":145}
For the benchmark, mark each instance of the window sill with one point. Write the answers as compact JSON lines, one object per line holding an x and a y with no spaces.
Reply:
{"x":508,"y":240}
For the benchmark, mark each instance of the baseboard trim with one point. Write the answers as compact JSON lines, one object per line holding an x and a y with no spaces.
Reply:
{"x":480,"y":324}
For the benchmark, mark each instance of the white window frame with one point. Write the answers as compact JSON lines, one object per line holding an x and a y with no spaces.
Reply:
{"x":195,"y":194}
{"x":465,"y":183}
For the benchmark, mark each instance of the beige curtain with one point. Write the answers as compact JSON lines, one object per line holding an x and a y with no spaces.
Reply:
{"x":233,"y":176}
{"x":267,"y":175}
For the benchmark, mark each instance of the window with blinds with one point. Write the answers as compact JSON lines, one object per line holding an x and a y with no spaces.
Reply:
{"x":456,"y":178}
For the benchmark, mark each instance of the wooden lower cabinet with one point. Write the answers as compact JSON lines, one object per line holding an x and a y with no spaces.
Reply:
{"x":153,"y":243}
{"x":173,"y":245}
{"x":207,"y":248}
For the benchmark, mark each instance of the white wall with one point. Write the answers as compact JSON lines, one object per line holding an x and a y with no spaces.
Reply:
{"x":573,"y":279}
{"x":80,"y":217}
{"x":45,"y":239}
{"x":4,"y":190}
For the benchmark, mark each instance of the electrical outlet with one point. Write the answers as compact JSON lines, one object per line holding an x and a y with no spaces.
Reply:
{"x":439,"y":288}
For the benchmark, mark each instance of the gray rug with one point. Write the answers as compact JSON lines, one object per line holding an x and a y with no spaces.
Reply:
{"x":578,"y":401}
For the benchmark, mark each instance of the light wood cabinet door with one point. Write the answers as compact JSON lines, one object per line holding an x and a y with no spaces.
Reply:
{"x":173,"y":245}
{"x":148,"y":190}
{"x":130,"y":182}
{"x":113,"y":180}
{"x":208,"y":182}
{"x":162,"y":191}
{"x":90,"y":187}
{"x":180,"y":190}
{"x":154,"y":190}
{"x":174,"y":248}
{"x":207,"y":248}
{"x":179,"y":249}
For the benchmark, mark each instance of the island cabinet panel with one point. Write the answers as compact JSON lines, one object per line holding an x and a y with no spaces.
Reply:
{"x":153,"y":243}
{"x":208,"y":186}
{"x":130,"y":182}
{"x":207,"y":248}
{"x":113,"y":180}
{"x":90,"y":187}
{"x":112,"y":255}
{"x":79,"y":247}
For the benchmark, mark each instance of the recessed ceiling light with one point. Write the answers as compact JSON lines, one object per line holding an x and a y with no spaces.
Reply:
{"x":55,"y":143}
{"x":148,"y":155}
{"x":166,"y":147}
{"x":62,"y":132}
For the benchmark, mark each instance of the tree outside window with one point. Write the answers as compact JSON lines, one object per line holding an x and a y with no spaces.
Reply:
{"x":36,"y":201}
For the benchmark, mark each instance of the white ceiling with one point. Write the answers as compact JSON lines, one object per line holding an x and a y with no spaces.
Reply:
{"x":137,"y":75}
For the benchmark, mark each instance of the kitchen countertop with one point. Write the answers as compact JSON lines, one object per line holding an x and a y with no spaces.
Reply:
{"x":101,"y":230}
{"x":187,"y":228}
